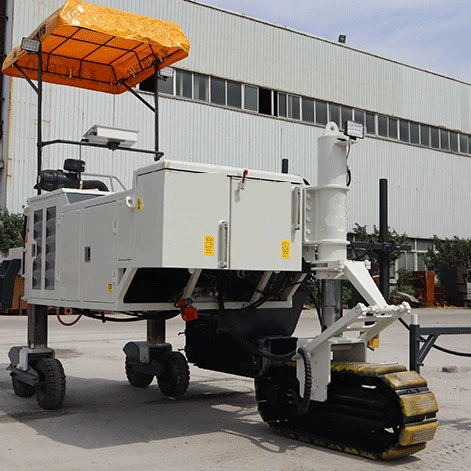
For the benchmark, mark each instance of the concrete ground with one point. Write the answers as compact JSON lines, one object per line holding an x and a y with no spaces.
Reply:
{"x":106,"y":424}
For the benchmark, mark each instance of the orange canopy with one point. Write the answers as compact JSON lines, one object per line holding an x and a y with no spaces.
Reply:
{"x":99,"y":48}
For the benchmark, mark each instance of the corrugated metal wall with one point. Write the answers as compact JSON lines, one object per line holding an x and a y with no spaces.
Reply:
{"x":429,"y":192}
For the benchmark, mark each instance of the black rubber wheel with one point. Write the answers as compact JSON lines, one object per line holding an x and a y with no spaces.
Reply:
{"x":137,"y":379}
{"x":21,"y":389}
{"x":176,"y":377}
{"x":50,"y":391}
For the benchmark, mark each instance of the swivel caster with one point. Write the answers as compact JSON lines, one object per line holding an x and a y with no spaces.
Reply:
{"x":20,"y":388}
{"x":137,"y":378}
{"x":174,"y":380}
{"x":50,"y":390}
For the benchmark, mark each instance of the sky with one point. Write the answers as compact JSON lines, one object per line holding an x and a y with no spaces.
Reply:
{"x":430,"y":34}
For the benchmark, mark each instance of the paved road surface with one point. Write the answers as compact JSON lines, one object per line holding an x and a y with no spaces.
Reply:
{"x":106,"y":424}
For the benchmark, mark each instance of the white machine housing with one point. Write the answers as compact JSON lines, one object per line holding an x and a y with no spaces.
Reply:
{"x":177,"y":215}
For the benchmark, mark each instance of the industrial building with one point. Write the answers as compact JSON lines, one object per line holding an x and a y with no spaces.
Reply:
{"x":250,"y":94}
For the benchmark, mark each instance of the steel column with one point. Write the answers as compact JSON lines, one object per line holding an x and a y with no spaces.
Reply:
{"x":37,"y":326}
{"x":156,"y":330}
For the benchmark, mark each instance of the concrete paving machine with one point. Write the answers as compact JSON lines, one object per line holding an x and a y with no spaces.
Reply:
{"x":234,"y":251}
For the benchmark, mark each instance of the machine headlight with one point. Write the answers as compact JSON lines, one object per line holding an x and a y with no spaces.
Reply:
{"x":354,"y":130}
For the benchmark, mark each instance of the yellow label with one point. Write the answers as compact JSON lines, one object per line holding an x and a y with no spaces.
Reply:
{"x":285,"y":249}
{"x":209,"y":246}
{"x":138,"y":203}
{"x":110,"y":288}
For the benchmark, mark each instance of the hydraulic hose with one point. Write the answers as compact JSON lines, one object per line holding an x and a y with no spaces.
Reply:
{"x":306,"y":400}
{"x":438,"y":347}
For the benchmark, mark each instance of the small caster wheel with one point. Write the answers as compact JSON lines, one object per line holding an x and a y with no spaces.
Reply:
{"x":176,"y":377}
{"x":21,"y":389}
{"x":137,"y":379}
{"x":50,"y":391}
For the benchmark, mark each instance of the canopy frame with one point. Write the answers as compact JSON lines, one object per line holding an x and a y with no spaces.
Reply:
{"x":97,"y":48}
{"x":40,"y":144}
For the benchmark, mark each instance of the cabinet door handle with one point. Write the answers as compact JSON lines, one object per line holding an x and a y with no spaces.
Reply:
{"x":296,"y":215}
{"x":223,"y":244}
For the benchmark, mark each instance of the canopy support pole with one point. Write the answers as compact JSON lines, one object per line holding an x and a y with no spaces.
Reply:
{"x":39,"y":143}
{"x":158,"y":154}
{"x":39,"y":92}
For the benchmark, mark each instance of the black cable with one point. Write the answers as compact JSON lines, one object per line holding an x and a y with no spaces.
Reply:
{"x":349,"y":176}
{"x":104,"y":318}
{"x":365,"y":252}
{"x":438,"y":347}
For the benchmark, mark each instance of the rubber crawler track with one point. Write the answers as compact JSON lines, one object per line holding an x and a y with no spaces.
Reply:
{"x":373,"y":410}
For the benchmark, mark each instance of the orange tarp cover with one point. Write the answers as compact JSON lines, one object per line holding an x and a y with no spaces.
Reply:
{"x":98,"y":48}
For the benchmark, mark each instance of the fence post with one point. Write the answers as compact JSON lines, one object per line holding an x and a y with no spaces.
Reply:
{"x":414,"y":345}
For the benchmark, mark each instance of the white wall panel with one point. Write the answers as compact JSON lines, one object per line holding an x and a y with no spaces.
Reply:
{"x":429,"y":191}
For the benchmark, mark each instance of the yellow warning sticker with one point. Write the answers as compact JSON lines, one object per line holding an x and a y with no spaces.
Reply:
{"x":110,"y":288}
{"x":209,"y":245}
{"x":138,"y":203}
{"x":285,"y":249}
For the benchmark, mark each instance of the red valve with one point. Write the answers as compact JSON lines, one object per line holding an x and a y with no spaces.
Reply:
{"x":244,"y":176}
{"x":187,"y":311}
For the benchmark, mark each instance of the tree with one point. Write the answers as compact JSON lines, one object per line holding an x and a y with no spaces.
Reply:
{"x":448,"y":253}
{"x":11,"y":230}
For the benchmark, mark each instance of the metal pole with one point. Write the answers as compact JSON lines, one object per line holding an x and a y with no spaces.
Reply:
{"x":331,"y":302}
{"x":40,"y":112}
{"x":156,"y":111}
{"x":414,"y":346}
{"x":383,"y":239}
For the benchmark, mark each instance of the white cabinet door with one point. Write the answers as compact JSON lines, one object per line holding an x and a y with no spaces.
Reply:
{"x":261,"y":227}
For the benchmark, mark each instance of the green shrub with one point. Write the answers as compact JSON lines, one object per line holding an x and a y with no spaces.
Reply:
{"x":11,"y":230}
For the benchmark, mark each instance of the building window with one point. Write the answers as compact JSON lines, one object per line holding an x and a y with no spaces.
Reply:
{"x":234,"y":94}
{"x":321,"y":112}
{"x":270,"y":102}
{"x":370,"y":123}
{"x":218,"y":91}
{"x":282,"y":105}
{"x":347,"y":115}
{"x":453,"y":141}
{"x":166,"y":86}
{"x":264,"y":101}
{"x":200,"y":87}
{"x":414,"y":133}
{"x":444,"y":140}
{"x":183,"y":84}
{"x":392,"y":128}
{"x":404,"y":130}
{"x":463,"y":144}
{"x":250,"y":98}
{"x":425,"y":135}
{"x":293,"y":107}
{"x":434,"y":138}
{"x":359,"y":116}
{"x":382,"y":125}
{"x":308,"y":110}
{"x":334,"y":113}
